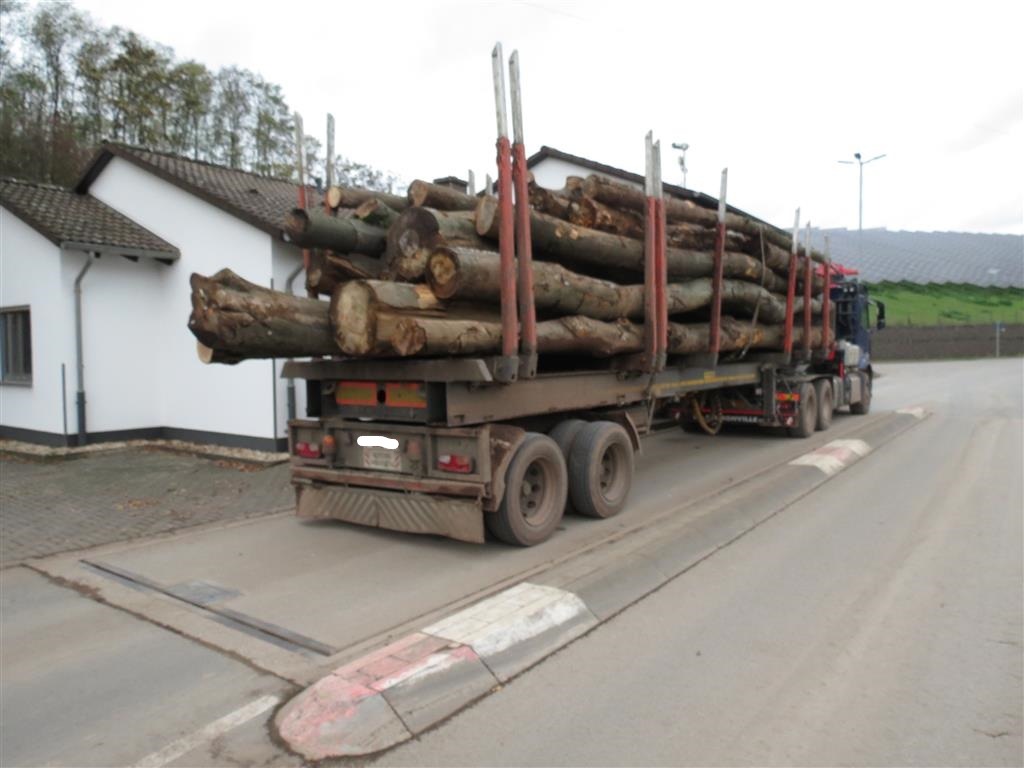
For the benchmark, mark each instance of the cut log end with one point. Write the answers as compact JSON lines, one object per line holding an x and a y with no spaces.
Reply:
{"x":353,"y":317}
{"x":442,"y":272}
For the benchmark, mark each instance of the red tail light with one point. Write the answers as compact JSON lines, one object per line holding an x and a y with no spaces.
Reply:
{"x":307,"y":450}
{"x":453,"y":462}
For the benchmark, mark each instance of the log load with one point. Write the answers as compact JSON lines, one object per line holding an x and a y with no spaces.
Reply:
{"x":426,"y":195}
{"x":419,"y":231}
{"x":473,"y":275}
{"x":316,"y":229}
{"x":237,"y":320}
{"x":595,"y":251}
{"x":353,"y":197}
{"x":327,"y":270}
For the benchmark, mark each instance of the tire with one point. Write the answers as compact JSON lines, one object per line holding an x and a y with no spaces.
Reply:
{"x":600,"y":469}
{"x":564,"y":435}
{"x":807,"y":417}
{"x":864,"y":405}
{"x":536,"y":485}
{"x":823,"y":391}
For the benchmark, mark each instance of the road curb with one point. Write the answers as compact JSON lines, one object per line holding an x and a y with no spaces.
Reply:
{"x":397,"y":692}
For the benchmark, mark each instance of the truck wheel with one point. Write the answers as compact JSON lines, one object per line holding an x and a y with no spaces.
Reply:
{"x":535,"y":491}
{"x":823,"y":391}
{"x":600,"y":469}
{"x":564,"y":435}
{"x":807,"y":416}
{"x":864,"y":405}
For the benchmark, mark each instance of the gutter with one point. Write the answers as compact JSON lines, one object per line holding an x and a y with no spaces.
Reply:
{"x":79,"y":357}
{"x":291,"y":382}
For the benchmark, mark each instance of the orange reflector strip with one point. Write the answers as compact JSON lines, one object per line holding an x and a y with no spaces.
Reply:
{"x":787,"y":397}
{"x":405,"y":395}
{"x":356,"y":393}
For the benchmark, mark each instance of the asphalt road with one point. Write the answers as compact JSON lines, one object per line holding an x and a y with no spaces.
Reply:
{"x":878,"y":621}
{"x":875,"y":622}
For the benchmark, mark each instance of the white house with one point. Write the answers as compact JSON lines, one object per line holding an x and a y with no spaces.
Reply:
{"x":143,"y":222}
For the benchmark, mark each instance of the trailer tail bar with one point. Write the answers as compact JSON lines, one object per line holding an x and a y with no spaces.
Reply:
{"x":524,"y":245}
{"x":808,"y":285}
{"x":787,"y":339}
{"x":509,"y":367}
{"x":715,"y":335}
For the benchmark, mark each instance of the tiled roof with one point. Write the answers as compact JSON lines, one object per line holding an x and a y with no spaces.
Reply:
{"x":66,"y":217}
{"x":929,"y":257}
{"x":259,"y":200}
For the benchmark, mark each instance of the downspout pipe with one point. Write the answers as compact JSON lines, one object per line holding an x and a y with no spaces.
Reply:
{"x":79,"y":357}
{"x":291,"y":382}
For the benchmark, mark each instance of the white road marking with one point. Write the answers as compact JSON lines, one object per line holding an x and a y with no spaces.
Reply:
{"x":917,"y":412}
{"x":499,"y":622}
{"x":186,"y":744}
{"x":833,"y":457}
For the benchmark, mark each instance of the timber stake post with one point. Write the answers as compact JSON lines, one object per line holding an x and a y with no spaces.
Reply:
{"x":508,"y":365}
{"x":826,"y":320}
{"x":808,"y":285}
{"x":300,"y":168}
{"x":787,"y":338}
{"x":650,"y":260}
{"x":715,"y":335}
{"x":524,"y":247}
{"x":661,"y":262}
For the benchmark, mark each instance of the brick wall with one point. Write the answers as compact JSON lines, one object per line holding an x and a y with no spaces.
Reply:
{"x":930,"y":342}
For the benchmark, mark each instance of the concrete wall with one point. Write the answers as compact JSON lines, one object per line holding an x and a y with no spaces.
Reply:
{"x":945,"y":341}
{"x":31,"y":275}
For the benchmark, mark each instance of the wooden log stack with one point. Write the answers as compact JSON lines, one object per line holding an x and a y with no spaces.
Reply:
{"x":419,"y":275}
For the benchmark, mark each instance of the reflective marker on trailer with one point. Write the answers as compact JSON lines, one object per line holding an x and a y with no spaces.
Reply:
{"x":308,"y":450}
{"x":453,"y":462}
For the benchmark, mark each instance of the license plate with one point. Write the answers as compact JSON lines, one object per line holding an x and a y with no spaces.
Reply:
{"x":383,"y":459}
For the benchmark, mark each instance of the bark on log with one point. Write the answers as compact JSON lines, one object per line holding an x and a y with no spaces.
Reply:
{"x":376,"y":213}
{"x":441,"y":198}
{"x":316,"y":229}
{"x":419,"y":231}
{"x":471,"y":275}
{"x":594,"y":251}
{"x":238,"y":320}
{"x":550,"y":202}
{"x":327,"y":270}
{"x":630,"y":198}
{"x":353,"y":197}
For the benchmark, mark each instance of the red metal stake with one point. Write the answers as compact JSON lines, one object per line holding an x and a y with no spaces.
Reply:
{"x":808,"y":285}
{"x":524,"y":244}
{"x":787,"y":339}
{"x":660,"y":265}
{"x":826,"y":319}
{"x":715,"y":334}
{"x":506,"y":226}
{"x":650,"y":263}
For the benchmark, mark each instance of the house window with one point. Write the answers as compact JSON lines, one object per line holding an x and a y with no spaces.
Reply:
{"x":15,"y":346}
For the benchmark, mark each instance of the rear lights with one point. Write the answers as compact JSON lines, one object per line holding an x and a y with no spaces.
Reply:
{"x":329,"y":445}
{"x":307,"y":450}
{"x":454,"y":462}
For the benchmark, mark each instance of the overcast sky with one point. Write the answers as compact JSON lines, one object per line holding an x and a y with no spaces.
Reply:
{"x":778,"y":92}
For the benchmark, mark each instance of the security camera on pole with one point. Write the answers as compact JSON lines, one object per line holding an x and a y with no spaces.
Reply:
{"x":682,"y":147}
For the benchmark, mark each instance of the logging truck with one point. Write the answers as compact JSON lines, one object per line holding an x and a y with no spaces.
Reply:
{"x":456,"y":447}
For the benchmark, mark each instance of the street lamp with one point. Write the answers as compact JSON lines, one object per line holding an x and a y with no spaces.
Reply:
{"x":860,"y":196}
{"x":682,"y":147}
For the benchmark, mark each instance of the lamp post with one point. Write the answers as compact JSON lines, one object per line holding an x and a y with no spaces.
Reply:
{"x":860,"y":196}
{"x":682,"y":147}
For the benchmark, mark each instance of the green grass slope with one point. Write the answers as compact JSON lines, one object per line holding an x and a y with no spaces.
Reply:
{"x":948,"y":304}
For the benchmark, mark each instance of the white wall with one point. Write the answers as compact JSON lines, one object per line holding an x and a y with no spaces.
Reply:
{"x":30,"y":274}
{"x":213,"y":398}
{"x":285,"y":259}
{"x":551,"y":173}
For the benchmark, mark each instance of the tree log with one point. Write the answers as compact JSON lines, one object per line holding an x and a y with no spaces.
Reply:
{"x":238,"y":320}
{"x":438,"y":197}
{"x":594,"y":251}
{"x":316,"y":229}
{"x":630,"y":198}
{"x":353,"y":197}
{"x":376,"y":212}
{"x":472,"y":275}
{"x":327,"y":270}
{"x":419,"y":231}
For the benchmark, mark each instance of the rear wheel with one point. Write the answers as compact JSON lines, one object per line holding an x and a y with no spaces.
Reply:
{"x":823,"y":390}
{"x":600,"y":469}
{"x":864,"y":405}
{"x":535,"y":491}
{"x":807,"y":416}
{"x":564,"y":435}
